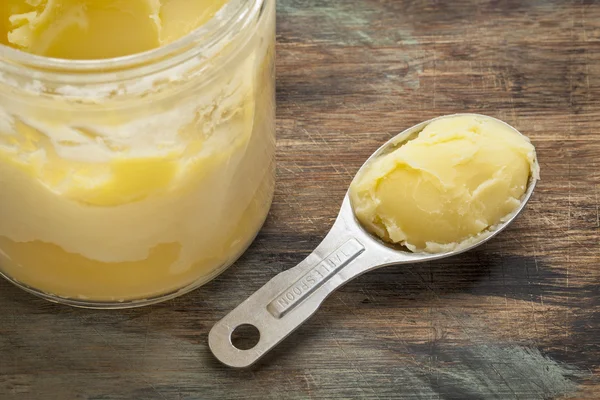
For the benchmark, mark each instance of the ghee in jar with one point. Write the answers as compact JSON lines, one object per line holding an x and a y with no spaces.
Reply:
{"x":133,"y":189}
{"x":96,"y":29}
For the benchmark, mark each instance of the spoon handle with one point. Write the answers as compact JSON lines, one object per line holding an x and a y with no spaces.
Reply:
{"x":293,"y":296}
{"x":288,"y":300}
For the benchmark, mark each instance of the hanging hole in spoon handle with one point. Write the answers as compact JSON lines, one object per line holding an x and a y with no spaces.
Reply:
{"x":293,"y":296}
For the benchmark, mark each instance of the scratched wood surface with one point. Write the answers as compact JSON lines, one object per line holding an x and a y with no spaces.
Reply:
{"x":518,"y":318}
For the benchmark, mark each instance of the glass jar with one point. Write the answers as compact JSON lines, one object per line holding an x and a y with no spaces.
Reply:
{"x":133,"y":180}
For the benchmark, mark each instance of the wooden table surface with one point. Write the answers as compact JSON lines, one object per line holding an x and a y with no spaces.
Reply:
{"x":519,"y":318}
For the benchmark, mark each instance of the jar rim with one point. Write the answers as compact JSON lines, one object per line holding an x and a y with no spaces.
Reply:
{"x":233,"y":16}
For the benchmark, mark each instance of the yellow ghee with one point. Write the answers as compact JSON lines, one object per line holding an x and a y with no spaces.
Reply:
{"x":95,"y":29}
{"x":460,"y":176}
{"x":118,"y":205}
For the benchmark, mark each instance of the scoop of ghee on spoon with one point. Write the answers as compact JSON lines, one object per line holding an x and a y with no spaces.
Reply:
{"x":439,"y":188}
{"x":456,"y":178}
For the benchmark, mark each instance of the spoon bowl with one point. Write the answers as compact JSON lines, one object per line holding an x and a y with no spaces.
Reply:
{"x":348,"y":251}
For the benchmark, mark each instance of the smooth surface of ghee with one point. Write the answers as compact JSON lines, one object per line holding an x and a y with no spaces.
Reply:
{"x":96,"y":29}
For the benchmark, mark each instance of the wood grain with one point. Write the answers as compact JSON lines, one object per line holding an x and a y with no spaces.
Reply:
{"x":518,"y":318}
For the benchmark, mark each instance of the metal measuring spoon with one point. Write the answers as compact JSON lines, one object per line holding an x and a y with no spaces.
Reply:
{"x":348,"y":251}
